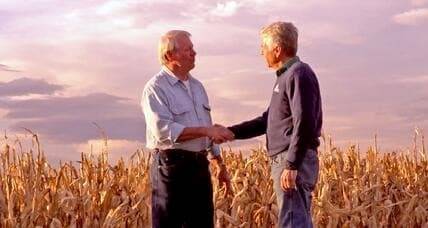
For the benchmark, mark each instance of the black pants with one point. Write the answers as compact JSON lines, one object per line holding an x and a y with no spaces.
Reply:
{"x":182,"y":194}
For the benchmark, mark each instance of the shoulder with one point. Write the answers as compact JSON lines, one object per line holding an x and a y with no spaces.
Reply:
{"x":196,"y":81}
{"x":156,"y":83}
{"x":301,"y":71}
{"x":300,"y":68}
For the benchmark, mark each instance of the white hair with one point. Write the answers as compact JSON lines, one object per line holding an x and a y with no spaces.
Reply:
{"x":283,"y":33}
{"x":168,"y":43}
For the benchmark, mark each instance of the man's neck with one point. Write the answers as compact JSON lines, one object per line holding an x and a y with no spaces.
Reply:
{"x":180,"y":74}
{"x":282,"y":62}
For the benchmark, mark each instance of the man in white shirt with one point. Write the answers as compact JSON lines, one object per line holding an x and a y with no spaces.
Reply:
{"x":179,"y":130}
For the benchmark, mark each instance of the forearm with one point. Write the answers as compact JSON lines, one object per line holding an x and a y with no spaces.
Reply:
{"x":190,"y":133}
{"x":251,"y":128}
{"x":217,"y":134}
{"x":297,"y":149}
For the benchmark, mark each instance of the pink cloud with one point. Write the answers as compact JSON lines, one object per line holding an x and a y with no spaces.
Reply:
{"x":110,"y":47}
{"x":226,"y":9}
{"x":7,"y":68}
{"x":415,"y":79}
{"x":412,"y":17}
{"x":418,"y":2}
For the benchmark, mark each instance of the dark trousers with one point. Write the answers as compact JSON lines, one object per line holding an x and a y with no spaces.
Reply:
{"x":295,"y":204}
{"x":182,"y":194}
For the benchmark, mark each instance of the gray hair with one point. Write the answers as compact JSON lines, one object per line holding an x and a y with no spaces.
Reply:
{"x":283,"y":33}
{"x":168,"y":43}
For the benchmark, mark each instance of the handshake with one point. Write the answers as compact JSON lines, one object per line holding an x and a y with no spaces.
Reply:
{"x":220,"y":134}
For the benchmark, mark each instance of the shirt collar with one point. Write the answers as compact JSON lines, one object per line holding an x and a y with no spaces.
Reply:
{"x":287,"y":65}
{"x":172,"y":78}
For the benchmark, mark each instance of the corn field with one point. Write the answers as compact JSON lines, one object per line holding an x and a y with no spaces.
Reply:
{"x":369,"y":189}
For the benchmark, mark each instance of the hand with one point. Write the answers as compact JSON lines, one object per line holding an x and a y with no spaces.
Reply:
{"x":230,"y":135}
{"x":220,"y":134}
{"x":288,"y":179}
{"x":224,"y":179}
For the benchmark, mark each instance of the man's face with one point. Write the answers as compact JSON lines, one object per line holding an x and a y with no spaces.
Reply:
{"x":184,"y":55}
{"x":267,"y":49}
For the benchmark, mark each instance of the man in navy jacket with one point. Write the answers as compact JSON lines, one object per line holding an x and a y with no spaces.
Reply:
{"x":292,"y":125}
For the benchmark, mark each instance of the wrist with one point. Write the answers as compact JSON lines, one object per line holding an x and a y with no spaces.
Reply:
{"x":290,"y":166}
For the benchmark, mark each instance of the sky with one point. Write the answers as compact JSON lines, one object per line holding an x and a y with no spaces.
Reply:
{"x":73,"y":70}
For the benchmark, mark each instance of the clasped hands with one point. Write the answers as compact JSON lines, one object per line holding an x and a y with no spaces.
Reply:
{"x":220,"y":134}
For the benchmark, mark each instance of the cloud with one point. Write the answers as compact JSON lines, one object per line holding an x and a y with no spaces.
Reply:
{"x":70,"y":119}
{"x":7,"y":68}
{"x":106,"y":50}
{"x":89,"y":65}
{"x":80,"y":129}
{"x":415,"y":79}
{"x":66,"y":106}
{"x":268,"y":7}
{"x":225,"y":9}
{"x":116,"y":148}
{"x":418,"y":2}
{"x":110,"y":7}
{"x":412,"y":17}
{"x":414,"y":111}
{"x":331,"y":32}
{"x":28,"y":86}
{"x":56,"y":152}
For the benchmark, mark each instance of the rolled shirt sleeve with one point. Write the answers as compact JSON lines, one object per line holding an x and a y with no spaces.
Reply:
{"x":159,"y":118}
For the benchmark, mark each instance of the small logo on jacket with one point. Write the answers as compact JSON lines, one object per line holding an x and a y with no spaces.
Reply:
{"x":276,"y":89}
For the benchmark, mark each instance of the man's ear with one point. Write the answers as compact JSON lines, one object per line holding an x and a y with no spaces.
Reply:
{"x":169,"y":56}
{"x":278,"y":50}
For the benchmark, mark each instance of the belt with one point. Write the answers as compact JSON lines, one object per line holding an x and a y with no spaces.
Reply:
{"x":179,"y":154}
